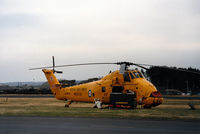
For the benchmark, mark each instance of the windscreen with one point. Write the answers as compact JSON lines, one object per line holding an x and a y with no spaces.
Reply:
{"x":136,"y":74}
{"x":140,"y":74}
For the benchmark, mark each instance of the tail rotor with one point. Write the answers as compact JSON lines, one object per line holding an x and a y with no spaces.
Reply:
{"x":54,"y":71}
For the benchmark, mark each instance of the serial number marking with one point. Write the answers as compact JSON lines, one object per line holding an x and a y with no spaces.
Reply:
{"x":68,"y":93}
{"x":78,"y":89}
{"x":77,"y":94}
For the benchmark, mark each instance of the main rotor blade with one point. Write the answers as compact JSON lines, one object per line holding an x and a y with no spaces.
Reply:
{"x":178,"y":69}
{"x":82,"y":64}
{"x":118,"y":63}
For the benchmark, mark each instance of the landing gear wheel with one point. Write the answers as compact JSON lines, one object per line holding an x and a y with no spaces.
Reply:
{"x":147,"y":107}
{"x":66,"y":105}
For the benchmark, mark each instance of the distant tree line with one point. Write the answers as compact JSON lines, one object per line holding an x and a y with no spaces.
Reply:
{"x":43,"y":89}
{"x":24,"y":90}
{"x":175,"y":78}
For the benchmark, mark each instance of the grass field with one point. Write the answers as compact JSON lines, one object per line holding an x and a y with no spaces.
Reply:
{"x":170,"y":109}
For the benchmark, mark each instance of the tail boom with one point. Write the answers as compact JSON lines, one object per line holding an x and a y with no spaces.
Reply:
{"x":53,"y":82}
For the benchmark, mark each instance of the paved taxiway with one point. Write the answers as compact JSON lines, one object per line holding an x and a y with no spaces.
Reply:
{"x":59,"y":125}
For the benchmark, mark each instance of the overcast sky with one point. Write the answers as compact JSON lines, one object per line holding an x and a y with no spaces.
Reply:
{"x":160,"y":32}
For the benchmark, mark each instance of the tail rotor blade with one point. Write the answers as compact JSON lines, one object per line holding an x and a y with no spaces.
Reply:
{"x":53,"y":63}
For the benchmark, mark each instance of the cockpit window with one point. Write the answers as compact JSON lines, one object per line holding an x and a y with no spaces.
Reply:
{"x":141,"y":76}
{"x":132,"y":77}
{"x":136,"y":74}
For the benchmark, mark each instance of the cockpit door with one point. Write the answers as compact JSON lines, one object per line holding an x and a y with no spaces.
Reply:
{"x":126,"y":77}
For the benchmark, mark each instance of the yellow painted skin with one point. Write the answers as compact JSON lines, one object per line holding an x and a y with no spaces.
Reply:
{"x":90,"y":91}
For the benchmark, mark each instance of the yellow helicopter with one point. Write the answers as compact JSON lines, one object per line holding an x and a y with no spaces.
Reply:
{"x":122,"y":88}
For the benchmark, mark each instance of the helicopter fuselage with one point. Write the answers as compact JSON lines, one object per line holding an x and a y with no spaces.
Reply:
{"x":132,"y":81}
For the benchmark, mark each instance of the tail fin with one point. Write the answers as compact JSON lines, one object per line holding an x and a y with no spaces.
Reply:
{"x":52,"y":80}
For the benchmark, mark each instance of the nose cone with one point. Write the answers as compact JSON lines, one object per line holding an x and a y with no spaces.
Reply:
{"x":151,"y":96}
{"x":154,"y":99}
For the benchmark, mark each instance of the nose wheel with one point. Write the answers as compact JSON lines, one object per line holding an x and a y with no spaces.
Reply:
{"x":146,"y":107}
